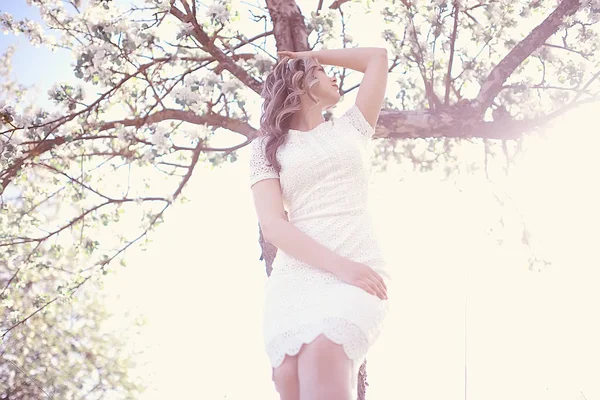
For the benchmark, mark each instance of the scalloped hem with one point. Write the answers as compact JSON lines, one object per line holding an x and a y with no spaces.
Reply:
{"x":339,"y":330}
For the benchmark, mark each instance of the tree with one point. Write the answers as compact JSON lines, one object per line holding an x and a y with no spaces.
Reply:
{"x":170,"y":75}
{"x":65,"y":351}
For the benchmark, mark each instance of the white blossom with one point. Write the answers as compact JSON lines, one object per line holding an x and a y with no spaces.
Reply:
{"x":148,"y":156}
{"x":162,"y":5}
{"x":95,"y":14}
{"x":13,"y":316}
{"x":7,"y":303}
{"x":568,"y":20}
{"x":218,"y":11}
{"x":186,"y":28}
{"x":189,"y":79}
{"x":6,"y":60}
{"x":199,"y":107}
{"x":211,"y":79}
{"x":160,"y":140}
{"x":122,"y":133}
{"x":230,"y":86}
{"x":186,"y":95}
{"x":262,"y":62}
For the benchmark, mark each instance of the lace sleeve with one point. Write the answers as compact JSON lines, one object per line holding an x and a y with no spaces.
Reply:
{"x":355,"y":118}
{"x":259,"y":168}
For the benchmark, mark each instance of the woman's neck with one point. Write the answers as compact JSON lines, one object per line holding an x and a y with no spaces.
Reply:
{"x":307,"y":118}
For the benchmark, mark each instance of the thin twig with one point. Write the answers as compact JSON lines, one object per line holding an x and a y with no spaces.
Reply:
{"x":319,"y":6}
{"x":452,"y":43}
{"x":33,"y":380}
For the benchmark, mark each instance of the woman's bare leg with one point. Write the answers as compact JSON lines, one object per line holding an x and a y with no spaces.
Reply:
{"x":285,"y":378}
{"x":324,"y":371}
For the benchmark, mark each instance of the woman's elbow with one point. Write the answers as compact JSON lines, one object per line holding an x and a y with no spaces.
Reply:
{"x":381,"y":52}
{"x":270,"y":228}
{"x":378,"y":60}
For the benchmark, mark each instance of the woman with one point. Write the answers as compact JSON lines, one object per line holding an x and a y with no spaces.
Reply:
{"x":326,"y":298}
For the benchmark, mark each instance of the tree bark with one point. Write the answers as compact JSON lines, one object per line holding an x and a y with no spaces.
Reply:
{"x":289,"y":28}
{"x":453,"y":123}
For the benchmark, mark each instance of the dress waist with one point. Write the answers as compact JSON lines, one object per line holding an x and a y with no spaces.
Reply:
{"x":356,"y":212}
{"x":350,"y":235}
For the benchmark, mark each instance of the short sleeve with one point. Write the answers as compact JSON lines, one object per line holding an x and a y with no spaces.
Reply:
{"x":259,"y":168}
{"x":355,"y":118}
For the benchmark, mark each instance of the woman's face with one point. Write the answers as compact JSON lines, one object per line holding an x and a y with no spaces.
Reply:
{"x":326,"y":89}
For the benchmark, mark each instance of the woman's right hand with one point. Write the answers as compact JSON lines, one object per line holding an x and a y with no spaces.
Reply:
{"x":363,"y":276}
{"x":289,"y":54}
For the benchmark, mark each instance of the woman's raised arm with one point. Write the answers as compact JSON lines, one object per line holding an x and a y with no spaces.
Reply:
{"x":372,"y":61}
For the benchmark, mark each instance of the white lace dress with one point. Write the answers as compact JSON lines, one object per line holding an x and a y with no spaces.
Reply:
{"x":324,"y":181}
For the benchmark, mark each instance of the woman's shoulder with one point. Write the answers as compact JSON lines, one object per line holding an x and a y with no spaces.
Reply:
{"x":353,"y":118}
{"x":349,"y":113}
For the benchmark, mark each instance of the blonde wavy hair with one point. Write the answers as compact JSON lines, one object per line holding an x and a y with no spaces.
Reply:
{"x":289,"y":79}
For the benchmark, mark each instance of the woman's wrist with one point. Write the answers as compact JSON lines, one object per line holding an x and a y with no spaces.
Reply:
{"x":337,"y":263}
{"x":311,"y":53}
{"x":356,"y":58}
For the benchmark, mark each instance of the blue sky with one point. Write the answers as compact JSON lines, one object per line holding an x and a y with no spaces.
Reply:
{"x":34,"y":66}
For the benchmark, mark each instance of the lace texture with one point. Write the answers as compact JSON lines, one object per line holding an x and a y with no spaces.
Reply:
{"x":324,"y":181}
{"x":259,"y":165}
{"x":337,"y":330}
{"x":356,"y":119}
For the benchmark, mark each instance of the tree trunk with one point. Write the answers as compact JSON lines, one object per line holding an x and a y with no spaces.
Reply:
{"x":289,"y":28}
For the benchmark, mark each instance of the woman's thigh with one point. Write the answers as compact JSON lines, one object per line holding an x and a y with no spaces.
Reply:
{"x":285,"y":378}
{"x":324,"y":370}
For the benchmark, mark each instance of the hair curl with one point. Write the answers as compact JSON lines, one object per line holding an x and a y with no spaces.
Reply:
{"x":289,"y":79}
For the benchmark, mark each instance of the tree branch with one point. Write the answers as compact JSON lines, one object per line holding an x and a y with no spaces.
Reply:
{"x":541,"y":86}
{"x":210,"y":47}
{"x":432,"y":99}
{"x":432,"y":124}
{"x":582,"y":54}
{"x":74,"y":180}
{"x":538,"y":36}
{"x":252,"y":39}
{"x":319,"y":6}
{"x":452,"y":43}
{"x":215,"y":120}
{"x":584,"y":88}
{"x":337,"y":4}
{"x":21,"y":322}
